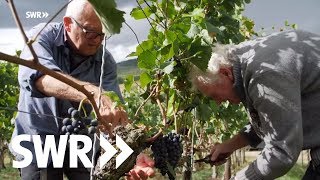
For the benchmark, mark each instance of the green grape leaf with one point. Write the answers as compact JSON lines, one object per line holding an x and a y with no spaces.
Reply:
{"x":204,"y":111}
{"x":110,"y":16}
{"x":144,"y":46}
{"x":128,"y":81}
{"x":206,"y":38}
{"x":286,"y":23}
{"x":210,"y":130}
{"x":168,"y":52}
{"x":168,"y":9}
{"x":140,"y":1}
{"x":212,"y":28}
{"x":193,"y":31}
{"x":249,"y":24}
{"x":169,"y":68}
{"x":201,"y":54}
{"x":147,"y":60}
{"x":18,"y":53}
{"x":170,"y":37}
{"x":294,"y":26}
{"x":138,"y":13}
{"x":171,"y":170}
{"x":114,"y":98}
{"x":170,"y":110}
{"x":144,"y":79}
{"x":132,"y":54}
{"x":196,"y":13}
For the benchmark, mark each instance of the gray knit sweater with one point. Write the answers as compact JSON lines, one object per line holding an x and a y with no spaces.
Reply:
{"x":278,"y":80}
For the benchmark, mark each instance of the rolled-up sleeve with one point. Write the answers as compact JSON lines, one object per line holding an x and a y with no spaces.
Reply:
{"x":276,"y":97}
{"x":43,"y":48}
{"x":252,"y":137}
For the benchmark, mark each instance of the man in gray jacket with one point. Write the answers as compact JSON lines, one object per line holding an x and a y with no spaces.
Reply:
{"x":277,"y":78}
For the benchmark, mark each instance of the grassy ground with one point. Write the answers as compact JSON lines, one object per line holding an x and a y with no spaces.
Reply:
{"x":205,"y":173}
{"x":296,"y":173}
{"x":9,"y":173}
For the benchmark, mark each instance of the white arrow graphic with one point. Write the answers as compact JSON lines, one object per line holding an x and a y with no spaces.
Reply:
{"x":126,"y":151}
{"x":109,"y":151}
{"x":45,"y":14}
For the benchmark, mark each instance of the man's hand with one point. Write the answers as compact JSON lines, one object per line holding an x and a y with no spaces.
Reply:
{"x":220,"y":153}
{"x":112,"y":116}
{"x":143,"y":168}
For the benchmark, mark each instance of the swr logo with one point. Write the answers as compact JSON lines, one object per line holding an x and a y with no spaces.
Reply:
{"x":36,"y":14}
{"x":58,"y":154}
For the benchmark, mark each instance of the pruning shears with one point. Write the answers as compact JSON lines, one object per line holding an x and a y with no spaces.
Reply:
{"x":208,"y":160}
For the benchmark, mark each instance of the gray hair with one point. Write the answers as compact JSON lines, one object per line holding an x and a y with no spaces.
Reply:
{"x":219,"y":58}
{"x":76,"y":8}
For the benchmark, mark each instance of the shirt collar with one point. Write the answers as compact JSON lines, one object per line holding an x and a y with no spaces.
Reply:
{"x":61,"y":38}
{"x":238,"y":81}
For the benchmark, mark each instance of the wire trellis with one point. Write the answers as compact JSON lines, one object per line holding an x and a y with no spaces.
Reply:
{"x":21,"y":111}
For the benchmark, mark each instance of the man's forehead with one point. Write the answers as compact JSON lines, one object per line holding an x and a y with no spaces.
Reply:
{"x":202,"y":84}
{"x":90,"y":25}
{"x":91,"y":22}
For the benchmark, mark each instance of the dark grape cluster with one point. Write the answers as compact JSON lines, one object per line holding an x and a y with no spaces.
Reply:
{"x":160,"y":155}
{"x":167,"y":151}
{"x":75,"y":124}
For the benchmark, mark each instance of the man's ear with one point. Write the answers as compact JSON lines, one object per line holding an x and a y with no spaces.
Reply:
{"x":227,"y":72}
{"x":67,"y":22}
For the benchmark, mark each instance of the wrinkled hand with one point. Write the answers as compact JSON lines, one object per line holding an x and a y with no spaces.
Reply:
{"x":220,"y":153}
{"x":112,"y":116}
{"x":143,"y":168}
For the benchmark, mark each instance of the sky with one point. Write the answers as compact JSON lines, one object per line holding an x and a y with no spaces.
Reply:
{"x":265,"y":13}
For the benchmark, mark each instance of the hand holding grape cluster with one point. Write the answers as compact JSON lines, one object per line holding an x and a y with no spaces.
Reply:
{"x":111,"y":116}
{"x":75,"y":124}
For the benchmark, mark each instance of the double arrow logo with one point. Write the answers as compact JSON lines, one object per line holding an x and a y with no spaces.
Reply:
{"x":45,"y":14}
{"x":110,"y":151}
{"x":36,"y":14}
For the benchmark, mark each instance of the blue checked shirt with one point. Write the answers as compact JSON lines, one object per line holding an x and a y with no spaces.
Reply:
{"x":54,"y":53}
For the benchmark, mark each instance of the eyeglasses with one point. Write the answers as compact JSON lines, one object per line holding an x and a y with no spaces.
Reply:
{"x":88,"y":33}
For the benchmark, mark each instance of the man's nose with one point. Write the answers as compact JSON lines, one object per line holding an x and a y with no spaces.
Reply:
{"x":98,"y":39}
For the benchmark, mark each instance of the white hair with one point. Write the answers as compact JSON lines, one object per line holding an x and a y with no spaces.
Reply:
{"x":219,"y":58}
{"x":76,"y":8}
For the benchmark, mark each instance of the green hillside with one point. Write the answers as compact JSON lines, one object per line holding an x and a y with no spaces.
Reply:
{"x":129,"y":67}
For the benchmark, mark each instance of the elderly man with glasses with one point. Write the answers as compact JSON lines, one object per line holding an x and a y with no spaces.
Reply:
{"x":276,"y":78}
{"x":72,"y":48}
